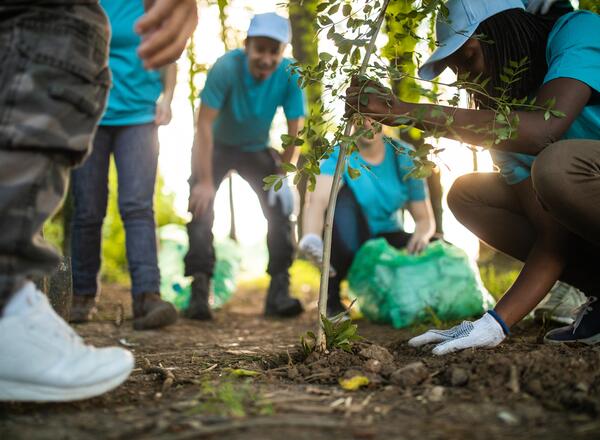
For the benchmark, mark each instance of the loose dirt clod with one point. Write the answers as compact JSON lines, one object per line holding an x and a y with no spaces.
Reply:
{"x":458,"y":377}
{"x":410,"y":375}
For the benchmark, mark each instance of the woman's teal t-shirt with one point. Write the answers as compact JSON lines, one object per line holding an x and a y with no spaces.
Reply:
{"x":381,"y":190}
{"x":573,"y":51}
{"x":132,"y":97}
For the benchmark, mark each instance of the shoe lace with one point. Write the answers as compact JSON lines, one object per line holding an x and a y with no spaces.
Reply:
{"x":583,"y":310}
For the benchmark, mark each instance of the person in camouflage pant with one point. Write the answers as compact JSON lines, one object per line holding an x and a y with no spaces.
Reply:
{"x":55,"y":80}
{"x":54,"y":84}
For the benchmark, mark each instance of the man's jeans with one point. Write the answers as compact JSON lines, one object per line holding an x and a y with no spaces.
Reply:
{"x":252,"y":167}
{"x":135,"y":149}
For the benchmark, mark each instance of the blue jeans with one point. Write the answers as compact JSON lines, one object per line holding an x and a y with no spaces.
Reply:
{"x":135,"y":149}
{"x":350,"y":232}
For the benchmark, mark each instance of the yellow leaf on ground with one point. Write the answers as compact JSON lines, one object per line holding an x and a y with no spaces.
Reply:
{"x":240,"y":372}
{"x":354,"y":383}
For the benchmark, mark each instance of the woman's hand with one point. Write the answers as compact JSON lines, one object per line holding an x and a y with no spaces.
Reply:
{"x":165,"y":29}
{"x":374,"y":100}
{"x":418,"y":241}
{"x":163,"y":112}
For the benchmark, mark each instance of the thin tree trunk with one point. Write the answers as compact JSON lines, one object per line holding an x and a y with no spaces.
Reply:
{"x":339,"y":168}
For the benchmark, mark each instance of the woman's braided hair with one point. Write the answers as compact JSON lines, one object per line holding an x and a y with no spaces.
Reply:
{"x":513,"y":35}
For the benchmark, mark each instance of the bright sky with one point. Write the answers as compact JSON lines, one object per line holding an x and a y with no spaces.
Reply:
{"x":176,"y":140}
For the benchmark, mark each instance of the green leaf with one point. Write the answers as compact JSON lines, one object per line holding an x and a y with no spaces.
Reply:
{"x":325,"y":56}
{"x":241,"y":372}
{"x":288,"y":167}
{"x":353,"y":172}
{"x":346,"y":10}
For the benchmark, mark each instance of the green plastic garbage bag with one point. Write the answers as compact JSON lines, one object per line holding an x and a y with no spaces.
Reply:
{"x":175,"y":287}
{"x":394,"y":287}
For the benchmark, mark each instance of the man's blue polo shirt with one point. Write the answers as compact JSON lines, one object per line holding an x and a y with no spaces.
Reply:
{"x":247,"y":106}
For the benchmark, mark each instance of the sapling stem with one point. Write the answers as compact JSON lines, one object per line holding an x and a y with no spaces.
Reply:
{"x":339,"y":169}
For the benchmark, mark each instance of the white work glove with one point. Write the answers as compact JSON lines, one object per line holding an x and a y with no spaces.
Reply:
{"x":540,"y":6}
{"x":486,"y":332}
{"x":285,"y":197}
{"x":310,"y":248}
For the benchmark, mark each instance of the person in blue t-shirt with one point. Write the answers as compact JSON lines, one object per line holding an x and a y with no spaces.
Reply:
{"x":243,"y":90}
{"x":139,"y":101}
{"x":544,"y":206}
{"x":368,"y":206}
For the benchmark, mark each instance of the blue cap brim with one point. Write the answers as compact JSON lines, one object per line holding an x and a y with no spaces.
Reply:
{"x":433,"y":67}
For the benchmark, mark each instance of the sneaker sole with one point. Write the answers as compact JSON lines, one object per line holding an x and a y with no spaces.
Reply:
{"x":592,"y":340}
{"x":540,"y":315}
{"x":25,"y":392}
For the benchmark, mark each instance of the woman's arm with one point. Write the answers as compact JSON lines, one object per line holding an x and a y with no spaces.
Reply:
{"x":316,"y":206}
{"x":422,"y":214}
{"x":534,"y":132}
{"x":543,"y":265}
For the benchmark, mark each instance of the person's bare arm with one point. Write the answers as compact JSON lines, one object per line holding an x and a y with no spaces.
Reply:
{"x":203,"y":191}
{"x":165,"y":29}
{"x":316,"y":206}
{"x":163,"y":106}
{"x":291,"y":153}
{"x":543,"y":265}
{"x":534,"y":132}
{"x":422,"y":214}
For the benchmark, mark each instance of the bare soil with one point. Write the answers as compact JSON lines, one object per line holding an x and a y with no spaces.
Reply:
{"x":187,"y":384}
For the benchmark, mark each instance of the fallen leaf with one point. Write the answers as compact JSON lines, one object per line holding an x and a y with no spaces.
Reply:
{"x":354,"y":383}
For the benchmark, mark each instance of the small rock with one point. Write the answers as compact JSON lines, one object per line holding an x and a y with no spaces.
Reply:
{"x":410,"y":375}
{"x":458,"y":377}
{"x":378,"y":353}
{"x":435,"y":394}
{"x":373,"y":365}
{"x":508,"y":418}
{"x":583,"y":387}
{"x":293,"y":373}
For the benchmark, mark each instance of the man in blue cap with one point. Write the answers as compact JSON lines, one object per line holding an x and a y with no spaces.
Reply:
{"x":243,"y":90}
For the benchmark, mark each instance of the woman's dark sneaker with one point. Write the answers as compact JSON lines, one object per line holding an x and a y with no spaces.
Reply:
{"x":279,"y":302}
{"x":150,"y":311}
{"x":585,"y":329}
{"x":199,"y":308}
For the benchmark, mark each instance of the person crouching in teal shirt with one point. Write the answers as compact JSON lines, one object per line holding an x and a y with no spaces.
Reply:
{"x":243,"y":90}
{"x":139,"y":101}
{"x":366,"y":207}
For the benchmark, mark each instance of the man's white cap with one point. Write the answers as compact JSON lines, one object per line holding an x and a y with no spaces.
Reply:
{"x":464,"y":16}
{"x":270,"y":25}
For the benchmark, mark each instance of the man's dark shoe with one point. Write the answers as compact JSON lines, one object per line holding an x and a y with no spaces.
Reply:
{"x":585,"y":329}
{"x":83,"y":308}
{"x":150,"y":311}
{"x":199,"y":308}
{"x":279,"y":302}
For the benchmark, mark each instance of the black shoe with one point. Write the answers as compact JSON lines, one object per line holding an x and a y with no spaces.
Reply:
{"x":585,"y":329}
{"x":150,"y":312}
{"x":279,"y":302}
{"x":199,"y":308}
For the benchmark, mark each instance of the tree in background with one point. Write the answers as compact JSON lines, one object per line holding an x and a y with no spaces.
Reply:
{"x":401,"y":29}
{"x":305,"y":47}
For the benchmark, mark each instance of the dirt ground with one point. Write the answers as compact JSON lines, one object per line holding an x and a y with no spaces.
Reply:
{"x":185,"y":385}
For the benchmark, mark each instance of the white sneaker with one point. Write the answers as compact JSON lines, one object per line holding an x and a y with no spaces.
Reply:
{"x":561,"y":304}
{"x":42,"y":359}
